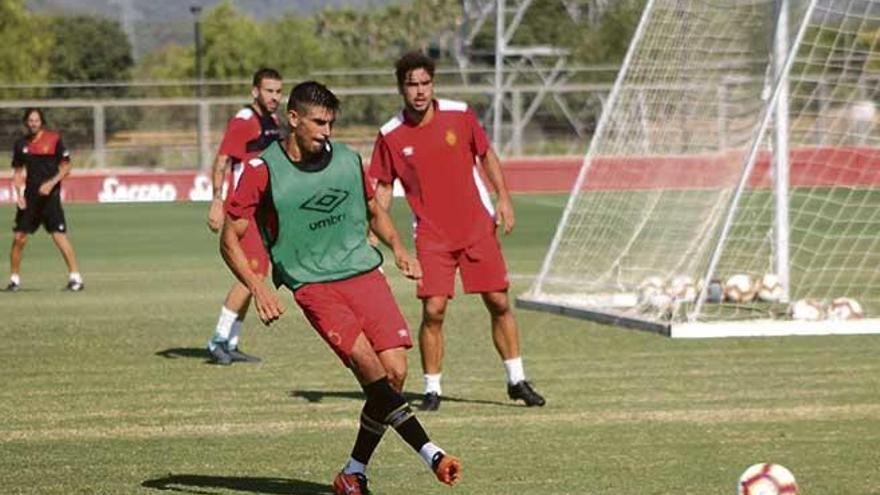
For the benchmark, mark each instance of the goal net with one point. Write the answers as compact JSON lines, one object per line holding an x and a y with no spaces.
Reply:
{"x":732,"y":186}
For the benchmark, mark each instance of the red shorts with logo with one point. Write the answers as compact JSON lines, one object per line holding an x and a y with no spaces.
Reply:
{"x":482,"y":269}
{"x":340,"y":311}
{"x":254,"y":251}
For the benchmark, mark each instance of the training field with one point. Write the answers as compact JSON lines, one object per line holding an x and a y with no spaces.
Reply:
{"x":109,"y":392}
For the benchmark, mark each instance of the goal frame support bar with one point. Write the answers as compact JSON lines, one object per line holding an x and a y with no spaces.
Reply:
{"x":701,"y":330}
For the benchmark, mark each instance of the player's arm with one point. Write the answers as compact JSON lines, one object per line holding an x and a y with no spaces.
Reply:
{"x":19,"y":178}
{"x":268,"y":307}
{"x":381,"y":224}
{"x":63,"y":158}
{"x":242,"y":209}
{"x":504,"y":207}
{"x":218,"y":176}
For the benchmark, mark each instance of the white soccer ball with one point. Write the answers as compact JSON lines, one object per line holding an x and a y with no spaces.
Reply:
{"x":682,"y":288}
{"x":807,"y":310}
{"x":770,"y":289}
{"x":649,"y":288}
{"x":766,"y":479}
{"x":739,"y":289}
{"x":844,"y":308}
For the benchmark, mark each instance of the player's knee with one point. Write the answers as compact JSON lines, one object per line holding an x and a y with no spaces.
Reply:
{"x":497,"y":302}
{"x":434,"y":312}
{"x":396,"y":376}
{"x":19,"y":239}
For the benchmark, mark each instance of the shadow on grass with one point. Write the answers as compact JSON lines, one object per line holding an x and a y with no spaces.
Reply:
{"x":185,"y":352}
{"x":413,"y":398}
{"x":197,"y":483}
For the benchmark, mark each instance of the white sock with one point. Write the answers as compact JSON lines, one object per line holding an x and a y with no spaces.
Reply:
{"x":428,"y":451}
{"x":15,"y":279}
{"x":514,"y":369}
{"x":75,"y":277}
{"x":353,"y":466}
{"x":234,"y":333}
{"x":432,"y":383}
{"x":224,"y":327}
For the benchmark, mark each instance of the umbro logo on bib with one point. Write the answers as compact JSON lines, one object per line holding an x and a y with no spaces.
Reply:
{"x":325,"y":201}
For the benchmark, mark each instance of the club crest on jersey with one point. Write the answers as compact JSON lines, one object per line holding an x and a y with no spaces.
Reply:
{"x":408,"y":151}
{"x":451,"y":138}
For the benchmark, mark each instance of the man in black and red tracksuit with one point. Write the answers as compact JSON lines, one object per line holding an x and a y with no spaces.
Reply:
{"x":40,"y":162}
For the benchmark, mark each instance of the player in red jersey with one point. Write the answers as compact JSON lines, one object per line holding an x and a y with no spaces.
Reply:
{"x":314,"y":195}
{"x":433,"y":147}
{"x":40,"y":162}
{"x":247,"y":134}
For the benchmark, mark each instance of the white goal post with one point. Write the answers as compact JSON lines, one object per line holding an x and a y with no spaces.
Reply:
{"x":732,"y":186}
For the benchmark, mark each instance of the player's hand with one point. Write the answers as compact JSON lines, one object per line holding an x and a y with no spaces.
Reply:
{"x":268,"y":307}
{"x":504,"y":214}
{"x":215,"y":215}
{"x":46,"y":188}
{"x":21,"y":202}
{"x":372,"y":238}
{"x":409,"y":266}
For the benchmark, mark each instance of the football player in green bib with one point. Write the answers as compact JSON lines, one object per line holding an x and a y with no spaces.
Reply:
{"x":313,"y":205}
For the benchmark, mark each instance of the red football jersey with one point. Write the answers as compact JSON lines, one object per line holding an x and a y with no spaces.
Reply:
{"x":437,"y":166}
{"x":247,"y":135}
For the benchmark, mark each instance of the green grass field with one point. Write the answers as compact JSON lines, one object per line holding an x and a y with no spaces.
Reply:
{"x":109,"y":392}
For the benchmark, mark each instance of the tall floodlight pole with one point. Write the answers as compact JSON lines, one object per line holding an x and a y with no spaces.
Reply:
{"x":498,"y":102}
{"x":780,"y":151}
{"x":196,"y":11}
{"x":201,"y":143}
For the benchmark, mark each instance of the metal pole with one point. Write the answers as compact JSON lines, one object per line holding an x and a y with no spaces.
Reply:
{"x":196,"y":11}
{"x":780,"y":152}
{"x":498,"y":100}
{"x":99,"y":126}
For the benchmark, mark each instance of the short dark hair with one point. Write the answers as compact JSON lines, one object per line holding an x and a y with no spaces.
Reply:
{"x":29,"y":111}
{"x":265,"y":73}
{"x":311,"y":93}
{"x":410,"y":62}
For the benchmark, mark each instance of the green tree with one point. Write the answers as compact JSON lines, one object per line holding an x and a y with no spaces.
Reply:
{"x":25,"y":45}
{"x":233,"y":43}
{"x":170,"y":63}
{"x":89,"y":49}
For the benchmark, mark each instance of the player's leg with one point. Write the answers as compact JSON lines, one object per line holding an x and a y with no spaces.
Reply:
{"x":55,"y":224}
{"x":484,"y":271}
{"x":26,"y":222}
{"x":237,"y":299}
{"x":437,"y":287}
{"x":19,"y":240}
{"x":431,"y":349}
{"x":74,"y":282}
{"x":224,"y":346}
{"x":386,"y":407}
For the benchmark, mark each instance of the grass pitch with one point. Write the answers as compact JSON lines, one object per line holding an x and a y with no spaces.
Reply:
{"x":108,"y":391}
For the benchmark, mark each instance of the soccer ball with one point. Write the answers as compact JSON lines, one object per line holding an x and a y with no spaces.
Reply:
{"x":649,"y":288}
{"x":770,"y":289}
{"x":715,"y":291}
{"x":844,"y":308}
{"x":682,"y":289}
{"x":739,"y":289}
{"x":807,"y":310}
{"x":766,"y":479}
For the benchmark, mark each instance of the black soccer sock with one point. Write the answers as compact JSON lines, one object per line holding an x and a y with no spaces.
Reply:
{"x":368,"y":438}
{"x":386,"y":403}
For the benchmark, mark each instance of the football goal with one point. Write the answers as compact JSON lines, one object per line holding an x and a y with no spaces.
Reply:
{"x":732,"y":186}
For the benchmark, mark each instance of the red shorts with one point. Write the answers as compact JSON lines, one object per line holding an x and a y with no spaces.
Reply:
{"x":482,"y":269}
{"x":340,"y":311}
{"x":254,"y":251}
